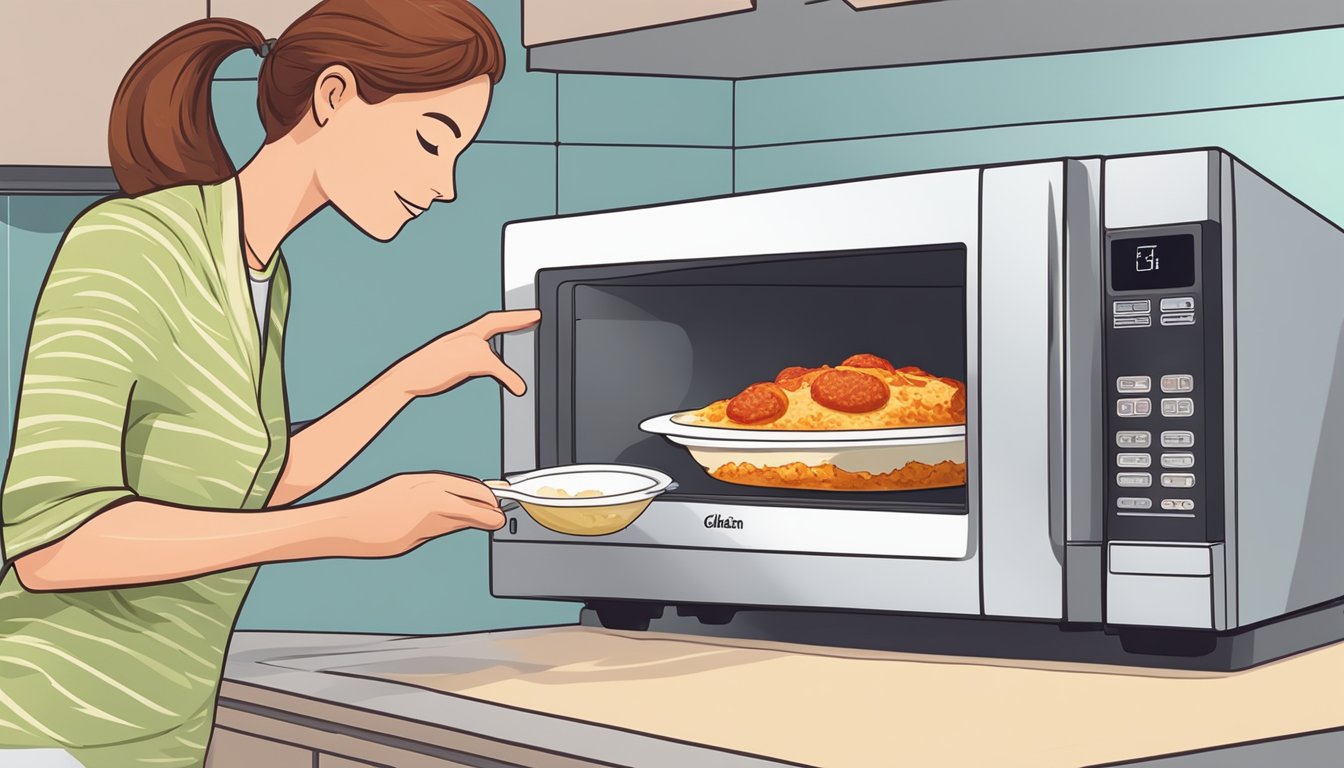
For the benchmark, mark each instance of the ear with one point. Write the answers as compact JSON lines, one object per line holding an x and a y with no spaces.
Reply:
{"x":334,"y":88}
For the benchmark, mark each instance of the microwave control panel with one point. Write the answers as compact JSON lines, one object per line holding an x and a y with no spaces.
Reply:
{"x":1162,"y":369}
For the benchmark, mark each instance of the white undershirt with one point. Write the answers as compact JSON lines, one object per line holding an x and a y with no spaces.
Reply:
{"x":261,"y":294}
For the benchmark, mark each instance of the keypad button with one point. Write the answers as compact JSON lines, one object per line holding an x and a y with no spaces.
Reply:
{"x":1178,"y":480}
{"x":1138,"y":384}
{"x":1178,"y":460}
{"x":1178,"y":438}
{"x":1134,"y":479}
{"x":1134,"y":460}
{"x":1178,"y":318}
{"x":1178,"y":382}
{"x":1178,"y":407}
{"x":1133,"y":502}
{"x":1178,"y":304}
{"x":1133,"y":439}
{"x":1138,"y":321}
{"x":1139,"y":307}
{"x":1133,"y":407}
{"x":1178,"y":505}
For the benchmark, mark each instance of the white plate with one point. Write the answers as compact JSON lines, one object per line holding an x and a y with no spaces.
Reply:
{"x":875,"y":451}
{"x":728,"y":437}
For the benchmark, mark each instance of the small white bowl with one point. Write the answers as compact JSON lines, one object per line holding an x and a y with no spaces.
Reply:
{"x":624,"y":492}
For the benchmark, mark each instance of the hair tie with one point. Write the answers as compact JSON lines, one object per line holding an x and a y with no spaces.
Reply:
{"x":266,"y":47}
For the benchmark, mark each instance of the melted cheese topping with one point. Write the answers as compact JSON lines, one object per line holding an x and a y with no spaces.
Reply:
{"x":918,"y":399}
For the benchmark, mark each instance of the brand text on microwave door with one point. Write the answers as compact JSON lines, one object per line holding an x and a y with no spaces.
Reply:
{"x":719,"y":521}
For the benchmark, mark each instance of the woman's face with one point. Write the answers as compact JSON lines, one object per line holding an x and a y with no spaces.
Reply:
{"x":383,"y":164}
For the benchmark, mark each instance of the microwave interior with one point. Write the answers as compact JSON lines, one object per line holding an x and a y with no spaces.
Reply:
{"x":624,"y":342}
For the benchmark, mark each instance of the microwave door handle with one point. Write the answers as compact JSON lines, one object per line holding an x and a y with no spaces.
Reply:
{"x":1055,"y":363}
{"x":1053,"y":290}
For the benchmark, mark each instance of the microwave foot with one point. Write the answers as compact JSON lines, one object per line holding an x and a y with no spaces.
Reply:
{"x":1168,"y":642}
{"x":626,"y":614}
{"x":709,"y":614}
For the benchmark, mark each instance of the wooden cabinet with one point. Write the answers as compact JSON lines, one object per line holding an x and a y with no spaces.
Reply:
{"x":550,"y":21}
{"x":286,"y":745}
{"x":333,"y":761}
{"x":62,"y":62}
{"x":862,"y":4}
{"x":231,"y":749}
{"x":806,"y":36}
{"x":251,"y":736}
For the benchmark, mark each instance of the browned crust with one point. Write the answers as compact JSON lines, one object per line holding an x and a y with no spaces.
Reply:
{"x":828,"y":477}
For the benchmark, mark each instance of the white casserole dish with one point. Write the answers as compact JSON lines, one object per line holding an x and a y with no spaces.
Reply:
{"x":871,"y":451}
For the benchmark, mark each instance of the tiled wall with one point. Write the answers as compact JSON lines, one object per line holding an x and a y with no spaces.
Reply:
{"x":1275,"y":101}
{"x":628,"y":141}
{"x":570,"y":143}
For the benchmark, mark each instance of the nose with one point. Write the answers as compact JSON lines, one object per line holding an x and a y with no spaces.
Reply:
{"x":449,"y":197}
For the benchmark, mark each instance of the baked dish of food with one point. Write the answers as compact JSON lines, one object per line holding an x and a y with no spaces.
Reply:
{"x":862,"y":425}
{"x":828,"y":477}
{"x":863,"y":392}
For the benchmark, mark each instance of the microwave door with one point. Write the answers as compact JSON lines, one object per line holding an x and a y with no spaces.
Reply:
{"x":732,"y":291}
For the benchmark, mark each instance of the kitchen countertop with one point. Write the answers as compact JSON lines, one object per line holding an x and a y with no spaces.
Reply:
{"x":608,"y":696}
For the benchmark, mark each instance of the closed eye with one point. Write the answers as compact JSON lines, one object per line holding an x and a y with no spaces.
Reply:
{"x":430,"y":148}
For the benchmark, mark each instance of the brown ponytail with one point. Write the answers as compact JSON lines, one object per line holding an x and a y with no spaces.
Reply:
{"x":163,"y":133}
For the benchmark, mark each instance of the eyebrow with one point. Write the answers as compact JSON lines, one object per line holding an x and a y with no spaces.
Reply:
{"x":446,"y":120}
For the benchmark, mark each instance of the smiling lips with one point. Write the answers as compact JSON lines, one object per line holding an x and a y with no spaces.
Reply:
{"x":411,"y":208}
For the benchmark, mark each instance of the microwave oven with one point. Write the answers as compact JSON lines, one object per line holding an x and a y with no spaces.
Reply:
{"x":1149,"y":347}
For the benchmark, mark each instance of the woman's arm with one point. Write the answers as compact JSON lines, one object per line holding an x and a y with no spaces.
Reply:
{"x":139,"y":541}
{"x":326,"y":446}
{"x":142,"y":542}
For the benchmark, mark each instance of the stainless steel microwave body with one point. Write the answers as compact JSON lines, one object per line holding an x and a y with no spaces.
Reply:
{"x":1150,"y":346}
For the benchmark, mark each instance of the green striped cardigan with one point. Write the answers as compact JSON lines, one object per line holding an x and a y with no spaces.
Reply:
{"x":143,"y":379}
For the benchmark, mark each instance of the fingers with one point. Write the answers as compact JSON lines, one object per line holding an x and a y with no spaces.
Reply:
{"x":508,"y":377}
{"x":479,"y":515}
{"x":460,"y":485}
{"x":471,"y":490}
{"x":480,"y":506}
{"x":489,"y":521}
{"x":492,"y":323}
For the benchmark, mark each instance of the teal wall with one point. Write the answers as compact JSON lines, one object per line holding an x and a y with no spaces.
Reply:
{"x":1275,"y":101}
{"x":570,"y":143}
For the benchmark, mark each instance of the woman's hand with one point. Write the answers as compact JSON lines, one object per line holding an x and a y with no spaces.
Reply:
{"x":407,"y":510}
{"x":462,"y":354}
{"x":321,"y":449}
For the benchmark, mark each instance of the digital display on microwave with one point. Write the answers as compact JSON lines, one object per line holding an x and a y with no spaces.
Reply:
{"x":1153,"y":263}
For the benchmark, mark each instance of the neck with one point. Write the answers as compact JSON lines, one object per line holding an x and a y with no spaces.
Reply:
{"x":278,"y":190}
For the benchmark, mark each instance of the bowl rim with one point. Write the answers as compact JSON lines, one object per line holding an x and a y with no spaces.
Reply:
{"x":659,"y":482}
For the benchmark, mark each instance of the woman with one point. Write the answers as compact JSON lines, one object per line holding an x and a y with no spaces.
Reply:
{"x":152,"y":469}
